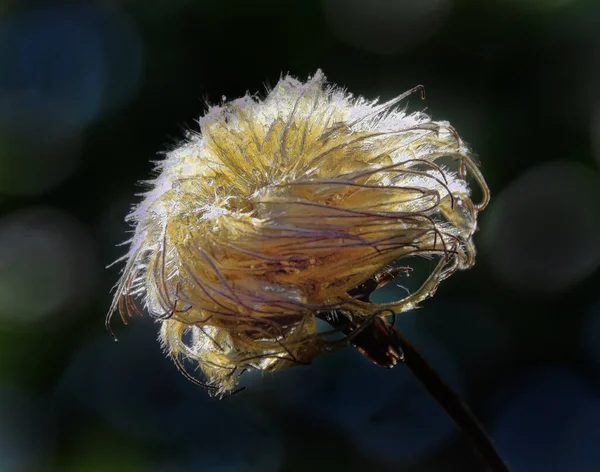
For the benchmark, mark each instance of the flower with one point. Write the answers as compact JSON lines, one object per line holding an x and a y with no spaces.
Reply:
{"x":278,"y":209}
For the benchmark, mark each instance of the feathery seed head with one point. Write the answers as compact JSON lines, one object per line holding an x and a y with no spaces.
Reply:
{"x":277,"y":209}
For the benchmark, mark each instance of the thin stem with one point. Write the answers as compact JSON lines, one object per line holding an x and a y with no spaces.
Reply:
{"x":460,"y":413}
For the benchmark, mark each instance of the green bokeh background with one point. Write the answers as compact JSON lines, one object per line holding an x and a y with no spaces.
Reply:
{"x":92,"y":92}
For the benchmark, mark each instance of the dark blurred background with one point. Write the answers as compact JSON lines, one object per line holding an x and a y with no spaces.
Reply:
{"x":92,"y":92}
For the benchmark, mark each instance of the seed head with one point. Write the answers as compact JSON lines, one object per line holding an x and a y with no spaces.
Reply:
{"x":277,"y":209}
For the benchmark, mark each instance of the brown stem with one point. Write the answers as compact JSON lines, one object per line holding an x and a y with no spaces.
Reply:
{"x":460,"y":413}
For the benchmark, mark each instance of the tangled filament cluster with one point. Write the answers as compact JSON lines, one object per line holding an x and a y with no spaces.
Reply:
{"x":278,"y":208}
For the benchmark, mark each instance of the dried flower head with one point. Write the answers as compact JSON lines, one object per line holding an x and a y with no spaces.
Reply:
{"x":278,"y":209}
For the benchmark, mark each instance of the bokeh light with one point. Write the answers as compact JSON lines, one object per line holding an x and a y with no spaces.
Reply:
{"x":26,"y":430}
{"x":55,"y":61}
{"x":579,"y":449}
{"x":62,"y":67}
{"x":533,"y":412}
{"x":385,"y":26}
{"x":541,"y":232}
{"x":140,"y":393}
{"x":47,"y":266}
